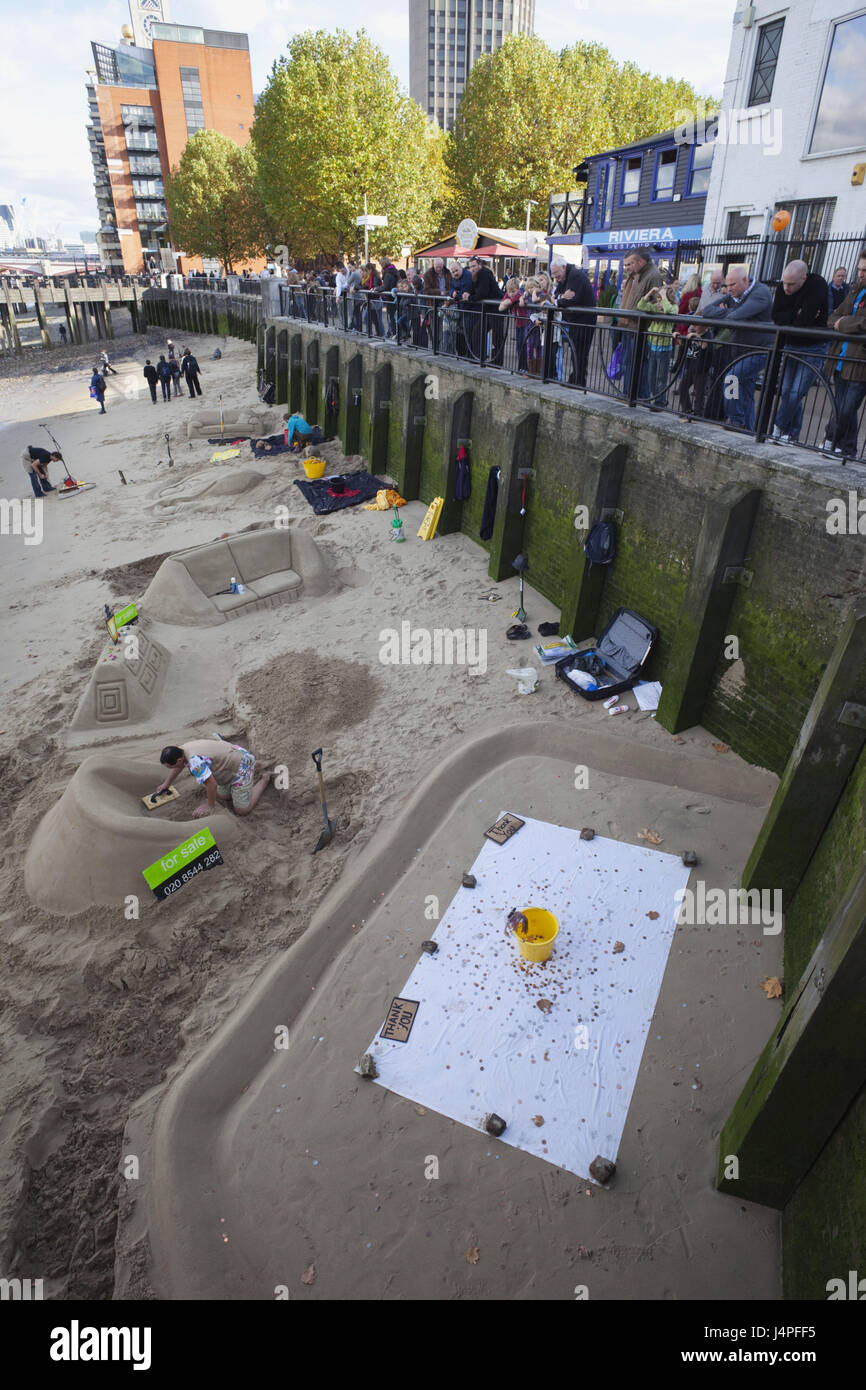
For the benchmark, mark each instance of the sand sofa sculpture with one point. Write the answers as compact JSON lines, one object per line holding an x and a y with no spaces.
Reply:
{"x":252,"y":421}
{"x":126,"y":683}
{"x":91,"y":848}
{"x":274,"y":565}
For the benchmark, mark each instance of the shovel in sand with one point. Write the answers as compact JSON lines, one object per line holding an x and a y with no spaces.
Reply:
{"x":327,"y":834}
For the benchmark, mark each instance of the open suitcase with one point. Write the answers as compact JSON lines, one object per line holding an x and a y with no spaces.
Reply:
{"x":618,"y":660}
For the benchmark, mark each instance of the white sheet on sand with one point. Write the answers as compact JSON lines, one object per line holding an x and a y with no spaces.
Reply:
{"x":480,"y":1043}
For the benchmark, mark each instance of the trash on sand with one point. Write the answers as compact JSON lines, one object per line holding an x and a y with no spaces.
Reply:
{"x":651,"y":837}
{"x":526,"y":677}
{"x":689,"y":858}
{"x":587,"y":833}
{"x":309,"y":1275}
{"x":772,"y":987}
{"x":431,"y":947}
{"x":368,"y":1067}
{"x":473,"y":1254}
{"x":619,"y":709}
{"x":647,"y":694}
{"x":722,"y":747}
{"x":469,"y":880}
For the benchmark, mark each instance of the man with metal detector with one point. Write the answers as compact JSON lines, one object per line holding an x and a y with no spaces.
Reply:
{"x":36,"y":461}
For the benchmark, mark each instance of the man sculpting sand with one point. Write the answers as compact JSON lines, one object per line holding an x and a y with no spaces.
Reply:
{"x":223,"y":769}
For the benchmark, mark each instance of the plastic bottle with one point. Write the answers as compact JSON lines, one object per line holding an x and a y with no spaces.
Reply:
{"x":619,"y":709}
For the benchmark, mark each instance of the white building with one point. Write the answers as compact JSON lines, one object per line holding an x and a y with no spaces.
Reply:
{"x":792,"y":130}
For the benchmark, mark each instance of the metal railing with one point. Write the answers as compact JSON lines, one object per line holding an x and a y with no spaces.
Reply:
{"x":767,"y":257}
{"x":757,"y":379}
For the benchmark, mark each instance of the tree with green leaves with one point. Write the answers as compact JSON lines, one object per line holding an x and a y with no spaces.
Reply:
{"x":332,"y":125}
{"x":529,"y":116}
{"x":213,"y":205}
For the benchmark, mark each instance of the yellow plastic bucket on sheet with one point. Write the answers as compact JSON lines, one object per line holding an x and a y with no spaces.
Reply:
{"x":537,"y":944}
{"x":314,"y":468}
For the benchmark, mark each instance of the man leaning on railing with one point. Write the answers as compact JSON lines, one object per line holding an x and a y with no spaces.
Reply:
{"x":848,"y":366}
{"x":746,"y":301}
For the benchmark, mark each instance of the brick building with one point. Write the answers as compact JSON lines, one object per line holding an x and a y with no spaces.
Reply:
{"x":147,"y":95}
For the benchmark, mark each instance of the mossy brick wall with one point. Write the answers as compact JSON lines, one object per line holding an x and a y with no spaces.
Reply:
{"x":786,"y":622}
{"x":824,"y":1223}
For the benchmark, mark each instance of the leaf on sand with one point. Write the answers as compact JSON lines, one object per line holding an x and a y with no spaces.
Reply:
{"x":538,"y":1120}
{"x":545,"y":1005}
{"x":772,"y":987}
{"x":473,"y":1254}
{"x":618,"y":946}
{"x":652,"y":916}
{"x":652,"y":837}
{"x":722,"y":747}
{"x":309,"y":1275}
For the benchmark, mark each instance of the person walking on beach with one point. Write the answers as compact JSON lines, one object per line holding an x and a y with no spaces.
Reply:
{"x":190,"y":369}
{"x":174,"y":369}
{"x":169,"y":343}
{"x":225,"y":771}
{"x":36,"y":461}
{"x":62,"y":332}
{"x":151,"y":376}
{"x":97,"y":389}
{"x":164,"y":372}
{"x":106,"y":365}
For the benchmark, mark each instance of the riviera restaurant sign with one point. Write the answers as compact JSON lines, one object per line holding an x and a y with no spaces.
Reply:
{"x":614,"y":239}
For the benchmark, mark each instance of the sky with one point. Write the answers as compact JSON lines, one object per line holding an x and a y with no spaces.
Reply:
{"x":44,"y":155}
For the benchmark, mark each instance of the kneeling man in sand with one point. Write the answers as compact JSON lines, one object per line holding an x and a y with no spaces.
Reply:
{"x":223,"y":769}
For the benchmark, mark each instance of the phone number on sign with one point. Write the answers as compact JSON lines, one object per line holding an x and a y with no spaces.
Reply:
{"x":206,"y":862}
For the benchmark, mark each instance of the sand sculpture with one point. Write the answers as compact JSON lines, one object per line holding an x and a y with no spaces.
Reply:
{"x":126,"y":682}
{"x":213,"y":482}
{"x":275,"y":565}
{"x":252,"y":421}
{"x":91,"y":847}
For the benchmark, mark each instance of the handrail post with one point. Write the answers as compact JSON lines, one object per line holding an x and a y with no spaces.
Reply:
{"x":436,"y":326}
{"x":637,"y":360}
{"x":548,"y":372}
{"x":482,"y":346}
{"x":768,"y":391}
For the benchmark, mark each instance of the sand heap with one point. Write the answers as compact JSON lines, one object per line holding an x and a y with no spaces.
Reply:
{"x":93,"y":845}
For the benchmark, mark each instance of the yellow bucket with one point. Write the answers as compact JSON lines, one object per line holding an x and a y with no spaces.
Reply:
{"x":314,"y":468}
{"x":544,"y":927}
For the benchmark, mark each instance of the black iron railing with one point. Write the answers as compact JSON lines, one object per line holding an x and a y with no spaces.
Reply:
{"x":759,"y":380}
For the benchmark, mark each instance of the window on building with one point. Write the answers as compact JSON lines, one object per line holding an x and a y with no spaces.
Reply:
{"x":192,"y":102}
{"x":839,"y":123}
{"x":144,"y":164}
{"x":665,"y":175}
{"x":698,"y":179}
{"x":605,"y":183}
{"x":630,"y":192}
{"x":766,"y":58}
{"x":738,"y":226}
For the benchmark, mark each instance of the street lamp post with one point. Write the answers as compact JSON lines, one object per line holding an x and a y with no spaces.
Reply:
{"x":533,"y":202}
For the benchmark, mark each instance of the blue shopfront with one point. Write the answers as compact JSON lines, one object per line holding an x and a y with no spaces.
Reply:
{"x":652,"y":193}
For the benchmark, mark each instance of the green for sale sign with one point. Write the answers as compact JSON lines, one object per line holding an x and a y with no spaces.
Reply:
{"x":180,"y":865}
{"x":126,"y":615}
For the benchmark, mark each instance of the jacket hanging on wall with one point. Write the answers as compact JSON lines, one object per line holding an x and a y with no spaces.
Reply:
{"x":488,"y":516}
{"x":463,"y":477}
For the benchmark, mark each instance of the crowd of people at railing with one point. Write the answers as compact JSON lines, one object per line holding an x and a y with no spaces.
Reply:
{"x":704,"y":352}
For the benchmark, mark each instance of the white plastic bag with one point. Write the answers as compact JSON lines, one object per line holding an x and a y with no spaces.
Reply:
{"x":526,"y":677}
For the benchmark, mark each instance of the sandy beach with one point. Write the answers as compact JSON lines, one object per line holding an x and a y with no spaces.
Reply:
{"x":102,"y":1013}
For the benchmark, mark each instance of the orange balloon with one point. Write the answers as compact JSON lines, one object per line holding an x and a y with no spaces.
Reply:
{"x":781,"y":220}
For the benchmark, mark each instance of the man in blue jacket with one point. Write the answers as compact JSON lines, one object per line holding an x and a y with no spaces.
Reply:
{"x":746,"y":301}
